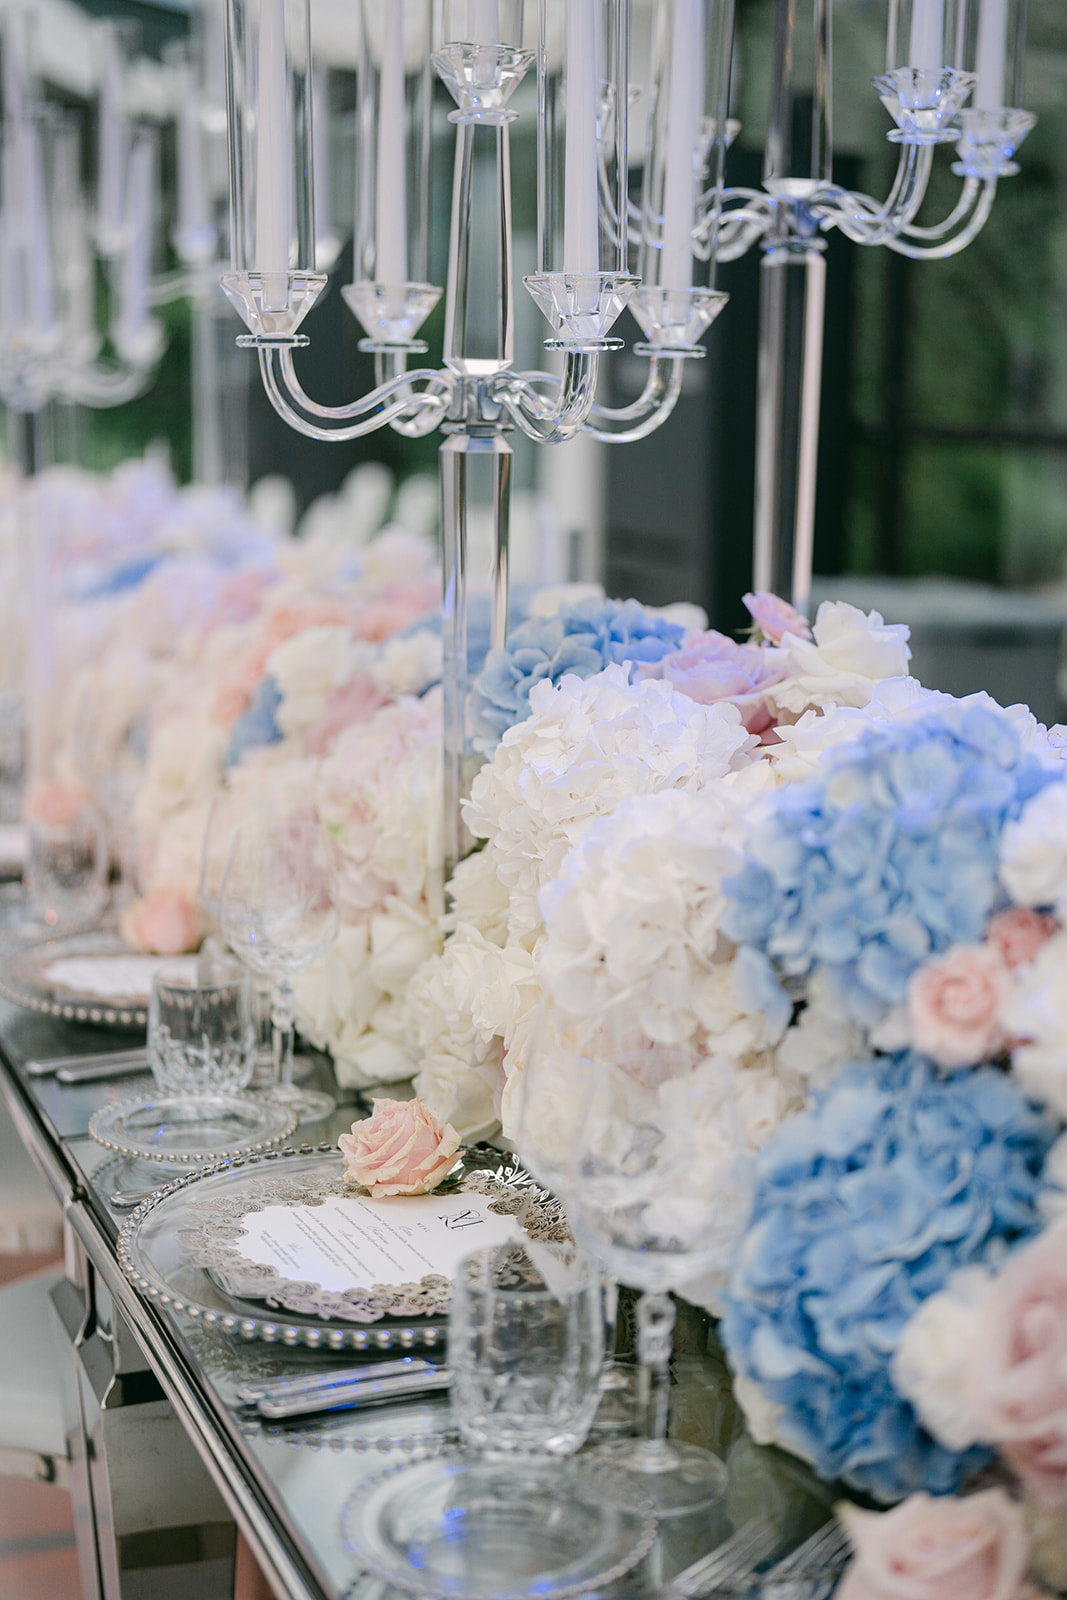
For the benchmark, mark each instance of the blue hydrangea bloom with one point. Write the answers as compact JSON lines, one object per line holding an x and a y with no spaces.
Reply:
{"x":888,"y":855}
{"x":864,"y":1207}
{"x":256,"y":726}
{"x":582,"y":638}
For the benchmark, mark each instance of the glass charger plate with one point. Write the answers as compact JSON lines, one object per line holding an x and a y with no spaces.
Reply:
{"x":162,"y":1250}
{"x":85,"y":977}
{"x":468,"y":1527}
{"x":197,"y":1128}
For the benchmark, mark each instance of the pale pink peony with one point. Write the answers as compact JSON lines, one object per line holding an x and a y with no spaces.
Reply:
{"x":353,"y":702}
{"x":239,"y":600}
{"x":164,"y":923}
{"x":774,"y":617}
{"x":55,"y":805}
{"x":396,"y":608}
{"x":401,"y":1149}
{"x":954,"y":1005}
{"x":1019,"y":933}
{"x":710,"y":668}
{"x":926,"y":1548}
{"x":1018,"y":1364}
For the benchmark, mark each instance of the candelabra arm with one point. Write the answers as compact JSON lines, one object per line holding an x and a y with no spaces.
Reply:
{"x":390,"y":366}
{"x":732,"y":230}
{"x":99,"y":388}
{"x":645,"y":414}
{"x":556,"y":417}
{"x":385,"y":404}
{"x":976,"y":203}
{"x":862,"y":218}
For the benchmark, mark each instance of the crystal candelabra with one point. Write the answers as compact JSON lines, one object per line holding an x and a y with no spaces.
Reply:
{"x":578,"y":52}
{"x":683,"y":222}
{"x":971,"y":103}
{"x":50,"y":240}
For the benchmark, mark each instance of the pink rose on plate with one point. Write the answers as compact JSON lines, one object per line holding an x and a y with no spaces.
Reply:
{"x":1019,"y":934}
{"x":927,"y":1548}
{"x":164,"y":923}
{"x":775,"y":618}
{"x":1019,"y":1364}
{"x":55,"y":805}
{"x":401,"y":1149}
{"x":954,"y":1005}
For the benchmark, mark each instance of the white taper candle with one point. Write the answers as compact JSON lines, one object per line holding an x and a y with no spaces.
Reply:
{"x":581,"y":227}
{"x":390,"y":217}
{"x":274,"y":179}
{"x":685,"y":96}
{"x":926,"y":45}
{"x":991,"y":55}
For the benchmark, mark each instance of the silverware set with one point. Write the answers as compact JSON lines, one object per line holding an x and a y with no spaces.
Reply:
{"x":808,"y":1573}
{"x":344,"y":1388}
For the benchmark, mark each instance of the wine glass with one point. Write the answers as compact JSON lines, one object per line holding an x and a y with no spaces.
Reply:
{"x":609,"y":1119}
{"x":277,"y":913}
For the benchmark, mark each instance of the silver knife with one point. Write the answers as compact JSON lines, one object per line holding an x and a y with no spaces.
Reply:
{"x":302,"y":1383}
{"x":45,"y":1066}
{"x":370,"y":1392}
{"x":93,"y":1071}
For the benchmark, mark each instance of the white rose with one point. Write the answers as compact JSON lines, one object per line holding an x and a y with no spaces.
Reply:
{"x":407,"y":664}
{"x":1033,"y":851}
{"x":847,"y":655}
{"x":402,"y":937}
{"x":478,"y":896}
{"x":1035,"y":1013}
{"x":462,"y":1092}
{"x":930,"y":1366}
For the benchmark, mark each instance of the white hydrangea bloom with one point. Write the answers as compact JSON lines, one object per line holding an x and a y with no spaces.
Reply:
{"x":587,"y":744}
{"x":631,"y":920}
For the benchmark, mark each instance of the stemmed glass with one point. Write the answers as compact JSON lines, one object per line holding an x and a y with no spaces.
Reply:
{"x":277,"y":913}
{"x":608,"y":1118}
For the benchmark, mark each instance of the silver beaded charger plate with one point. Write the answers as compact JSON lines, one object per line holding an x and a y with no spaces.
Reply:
{"x":459,"y":1526}
{"x":177,"y":1249}
{"x":192,"y":1128}
{"x":83,"y":977}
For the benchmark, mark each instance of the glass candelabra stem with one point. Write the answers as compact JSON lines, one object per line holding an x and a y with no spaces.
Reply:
{"x":281,"y":1023}
{"x":655,"y":1327}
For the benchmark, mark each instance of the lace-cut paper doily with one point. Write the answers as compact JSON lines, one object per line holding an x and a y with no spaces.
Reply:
{"x":182,"y":1249}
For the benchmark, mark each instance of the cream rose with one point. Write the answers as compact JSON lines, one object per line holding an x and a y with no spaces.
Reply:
{"x":401,"y":1149}
{"x":927,"y":1548}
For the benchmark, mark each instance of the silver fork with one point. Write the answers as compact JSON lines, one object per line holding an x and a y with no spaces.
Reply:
{"x":811,"y":1569}
{"x":736,"y":1558}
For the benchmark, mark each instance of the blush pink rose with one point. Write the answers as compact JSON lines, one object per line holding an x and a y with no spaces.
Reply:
{"x":1019,"y":1364}
{"x":55,"y":805}
{"x":775,"y":618}
{"x":928,"y":1548}
{"x":954,"y":1005}
{"x":709,"y":668}
{"x":1019,"y":934}
{"x":401,"y":1149}
{"x":164,"y":923}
